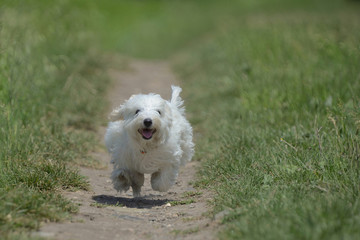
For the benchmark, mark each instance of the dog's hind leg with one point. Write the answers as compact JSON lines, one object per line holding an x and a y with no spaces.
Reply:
{"x":162,"y":180}
{"x":137,"y":181}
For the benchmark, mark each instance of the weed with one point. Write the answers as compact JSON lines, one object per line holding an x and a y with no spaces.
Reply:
{"x":182,"y":202}
{"x":98,"y":205}
{"x":191,"y":194}
{"x":190,"y":219}
{"x":186,"y":231}
{"x":118,"y":204}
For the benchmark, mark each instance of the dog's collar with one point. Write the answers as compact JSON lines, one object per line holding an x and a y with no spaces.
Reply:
{"x":143,"y":151}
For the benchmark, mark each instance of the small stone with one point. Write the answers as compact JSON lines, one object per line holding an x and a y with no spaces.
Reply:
{"x":168,"y":205}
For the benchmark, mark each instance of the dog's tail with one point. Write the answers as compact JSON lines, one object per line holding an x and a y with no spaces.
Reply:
{"x":176,"y":99}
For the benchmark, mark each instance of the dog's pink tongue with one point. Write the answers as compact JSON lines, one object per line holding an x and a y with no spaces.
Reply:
{"x":147,"y":133}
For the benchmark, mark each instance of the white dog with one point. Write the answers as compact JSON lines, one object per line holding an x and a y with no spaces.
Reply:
{"x":148,"y":135}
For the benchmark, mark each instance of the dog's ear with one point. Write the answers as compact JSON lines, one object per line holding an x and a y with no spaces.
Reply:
{"x":117,"y":114}
{"x":120,"y":112}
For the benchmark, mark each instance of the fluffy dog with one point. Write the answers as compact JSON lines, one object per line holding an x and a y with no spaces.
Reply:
{"x":148,"y":135}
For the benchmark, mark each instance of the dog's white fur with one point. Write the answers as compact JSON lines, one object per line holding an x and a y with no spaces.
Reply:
{"x":133,"y":154}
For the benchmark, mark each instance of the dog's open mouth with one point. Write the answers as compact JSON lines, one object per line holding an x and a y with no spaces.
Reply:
{"x":147,"y":133}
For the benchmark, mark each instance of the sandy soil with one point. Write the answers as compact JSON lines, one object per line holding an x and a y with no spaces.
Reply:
{"x":106,"y":214}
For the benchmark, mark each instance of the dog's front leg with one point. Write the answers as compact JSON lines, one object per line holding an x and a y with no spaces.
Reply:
{"x":121,"y":179}
{"x":163,"y":179}
{"x":137,"y":181}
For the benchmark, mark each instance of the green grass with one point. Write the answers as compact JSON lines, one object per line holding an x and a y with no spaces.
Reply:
{"x":51,"y":91}
{"x":275,"y":97}
{"x":191,"y":194}
{"x":150,"y":29}
{"x":182,"y":202}
{"x":185,"y":232}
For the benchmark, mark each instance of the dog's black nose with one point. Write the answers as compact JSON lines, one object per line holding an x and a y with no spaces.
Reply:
{"x":147,"y":122}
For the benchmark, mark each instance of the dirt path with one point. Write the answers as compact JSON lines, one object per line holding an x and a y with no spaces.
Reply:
{"x":106,"y":214}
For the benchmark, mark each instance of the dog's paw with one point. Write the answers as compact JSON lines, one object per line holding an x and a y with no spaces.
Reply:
{"x":137,"y":181}
{"x":136,"y":194}
{"x":160,"y":182}
{"x":121,"y":180}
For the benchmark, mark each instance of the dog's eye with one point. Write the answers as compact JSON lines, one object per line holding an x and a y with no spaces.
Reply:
{"x":137,"y":111}
{"x":159,"y":112}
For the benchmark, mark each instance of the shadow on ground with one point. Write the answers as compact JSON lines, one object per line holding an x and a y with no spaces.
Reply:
{"x":130,"y":202}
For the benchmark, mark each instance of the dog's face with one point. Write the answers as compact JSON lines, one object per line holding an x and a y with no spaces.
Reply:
{"x":147,"y":118}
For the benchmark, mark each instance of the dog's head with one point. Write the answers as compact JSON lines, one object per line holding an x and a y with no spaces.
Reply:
{"x":147,"y":118}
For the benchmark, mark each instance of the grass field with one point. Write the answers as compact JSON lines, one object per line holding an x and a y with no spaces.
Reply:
{"x":272,"y":90}
{"x":279,"y":117}
{"x":50,"y":96}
